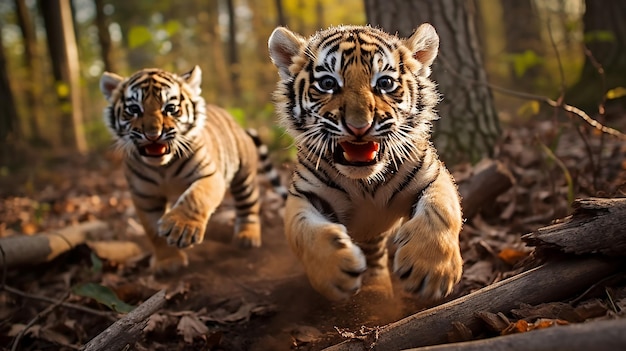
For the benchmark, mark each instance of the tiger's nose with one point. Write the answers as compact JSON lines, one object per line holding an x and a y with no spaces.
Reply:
{"x":359,"y":130}
{"x":152,"y":135}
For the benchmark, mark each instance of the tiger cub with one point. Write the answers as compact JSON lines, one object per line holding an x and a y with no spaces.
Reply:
{"x":360,"y":106}
{"x":180,"y":157}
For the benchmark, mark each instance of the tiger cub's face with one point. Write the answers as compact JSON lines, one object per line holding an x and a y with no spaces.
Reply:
{"x":153,"y":112}
{"x":356,"y":97}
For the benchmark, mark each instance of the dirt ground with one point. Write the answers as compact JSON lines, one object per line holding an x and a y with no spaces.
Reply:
{"x":258,"y":299}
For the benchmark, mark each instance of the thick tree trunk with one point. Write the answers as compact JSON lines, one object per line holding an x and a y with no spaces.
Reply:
{"x":280,"y":13}
{"x":8,"y":112}
{"x":33,"y":84}
{"x":605,"y":38}
{"x":104,"y":37}
{"x":523,"y":39}
{"x":65,"y":63}
{"x":233,"y":52}
{"x":469,"y":125}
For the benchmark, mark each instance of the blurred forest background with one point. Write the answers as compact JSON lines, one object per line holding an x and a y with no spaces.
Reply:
{"x":53,"y":53}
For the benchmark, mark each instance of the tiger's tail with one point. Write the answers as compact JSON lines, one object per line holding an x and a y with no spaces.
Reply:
{"x":265,"y":164}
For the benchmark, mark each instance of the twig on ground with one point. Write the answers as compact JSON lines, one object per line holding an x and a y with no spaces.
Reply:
{"x":126,"y":330}
{"x":73,"y":306}
{"x":40,"y":315}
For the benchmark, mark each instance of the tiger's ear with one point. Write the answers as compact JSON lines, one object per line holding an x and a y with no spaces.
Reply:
{"x":108,"y":82}
{"x":283,"y":45}
{"x":424,"y":43}
{"x":193,"y":79}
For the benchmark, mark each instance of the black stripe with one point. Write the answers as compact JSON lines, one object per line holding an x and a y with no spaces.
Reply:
{"x":317,"y":173}
{"x":421,"y":193}
{"x":141,"y":175}
{"x":182,"y":166}
{"x":204,"y":176}
{"x":246,"y":205}
{"x":144,"y":196}
{"x":320,"y":204}
{"x":408,"y":178}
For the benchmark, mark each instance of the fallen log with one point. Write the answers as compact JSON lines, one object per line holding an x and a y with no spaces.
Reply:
{"x":574,"y":234}
{"x":598,"y":335}
{"x":127,"y":329}
{"x":19,"y":250}
{"x":431,"y":327}
{"x":490,"y":179}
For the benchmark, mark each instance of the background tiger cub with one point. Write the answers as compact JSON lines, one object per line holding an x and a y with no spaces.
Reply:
{"x":359,"y":104}
{"x":180,"y":157}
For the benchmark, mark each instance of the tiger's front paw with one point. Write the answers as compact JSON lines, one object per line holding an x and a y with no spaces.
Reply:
{"x":180,"y":230}
{"x":429,"y":267}
{"x":334,"y":264}
{"x":248,"y":235}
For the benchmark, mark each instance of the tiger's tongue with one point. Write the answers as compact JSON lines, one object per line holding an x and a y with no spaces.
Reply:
{"x":362,"y":152}
{"x":156,"y":149}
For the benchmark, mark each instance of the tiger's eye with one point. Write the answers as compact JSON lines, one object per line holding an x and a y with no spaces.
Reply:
{"x":385,"y":84}
{"x":171,"y":109}
{"x":327,"y":83}
{"x":133,"y":110}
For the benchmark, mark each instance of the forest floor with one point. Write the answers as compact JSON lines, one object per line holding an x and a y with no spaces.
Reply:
{"x":259,"y":299}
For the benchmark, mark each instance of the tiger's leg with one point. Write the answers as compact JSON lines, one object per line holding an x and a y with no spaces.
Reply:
{"x":333,"y":263}
{"x":245,"y":190}
{"x":428,"y":259}
{"x":165,"y":258}
{"x":377,"y":279}
{"x":185,"y":223}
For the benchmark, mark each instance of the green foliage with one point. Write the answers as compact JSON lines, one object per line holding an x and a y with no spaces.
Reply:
{"x":524,"y":61}
{"x":138,"y":36}
{"x":603,"y":36}
{"x":96,"y":263}
{"x":615,"y":93}
{"x":102,"y":295}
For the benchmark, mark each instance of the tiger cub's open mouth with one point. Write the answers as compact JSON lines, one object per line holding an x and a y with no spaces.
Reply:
{"x":357,"y":153}
{"x":154,"y":150}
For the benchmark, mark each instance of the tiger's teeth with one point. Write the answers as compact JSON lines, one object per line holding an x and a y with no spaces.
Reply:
{"x":346,"y":156}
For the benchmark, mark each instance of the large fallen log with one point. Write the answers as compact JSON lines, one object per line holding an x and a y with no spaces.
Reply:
{"x":490,"y":179}
{"x":599,"y":335}
{"x":126,"y":330}
{"x":21,"y":250}
{"x":552,"y":281}
{"x":596,"y":226}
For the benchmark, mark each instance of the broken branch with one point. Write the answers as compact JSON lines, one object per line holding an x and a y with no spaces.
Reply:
{"x":430,"y":327}
{"x":126,"y":330}
{"x":33,"y":249}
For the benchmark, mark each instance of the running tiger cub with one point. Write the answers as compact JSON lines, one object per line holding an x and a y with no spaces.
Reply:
{"x":180,"y":157}
{"x":360,"y":105}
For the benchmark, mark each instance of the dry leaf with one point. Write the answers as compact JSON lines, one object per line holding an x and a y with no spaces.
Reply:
{"x":512,"y":256}
{"x":115,"y":251}
{"x":304,"y":334}
{"x":191,"y":327}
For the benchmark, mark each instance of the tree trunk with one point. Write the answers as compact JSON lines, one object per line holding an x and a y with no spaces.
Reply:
{"x":33,"y":86}
{"x":64,"y":55}
{"x":605,"y":38}
{"x":523,"y":41}
{"x":104,"y":37}
{"x":233,"y":53}
{"x":280,"y":13}
{"x":469,"y":125}
{"x":222,"y":87}
{"x":8,"y":112}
